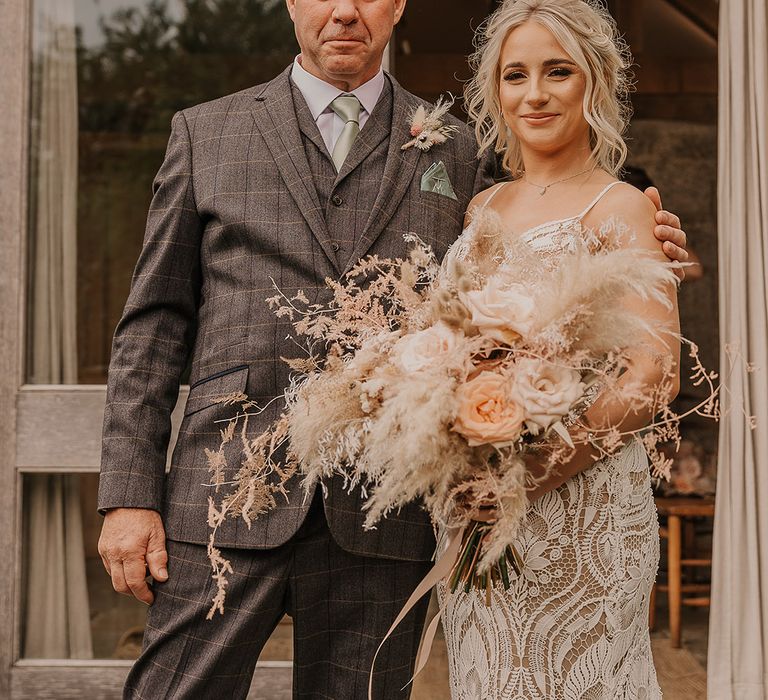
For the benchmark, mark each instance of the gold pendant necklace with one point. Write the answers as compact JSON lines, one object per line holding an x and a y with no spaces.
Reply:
{"x":543,"y":188}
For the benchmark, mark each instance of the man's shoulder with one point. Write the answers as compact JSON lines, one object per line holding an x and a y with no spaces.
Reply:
{"x":464,"y":136}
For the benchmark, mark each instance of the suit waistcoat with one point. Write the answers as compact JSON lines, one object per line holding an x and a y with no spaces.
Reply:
{"x":346,"y":198}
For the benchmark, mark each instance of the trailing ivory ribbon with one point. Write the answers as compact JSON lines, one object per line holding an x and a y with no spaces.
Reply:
{"x":439,"y":571}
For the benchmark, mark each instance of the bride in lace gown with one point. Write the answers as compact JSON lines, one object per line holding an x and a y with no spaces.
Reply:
{"x":547,"y":93}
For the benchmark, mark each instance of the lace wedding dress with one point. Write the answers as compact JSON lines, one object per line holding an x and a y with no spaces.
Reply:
{"x":574,"y":625}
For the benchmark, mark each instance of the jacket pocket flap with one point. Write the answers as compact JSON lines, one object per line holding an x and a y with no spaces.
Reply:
{"x":207,"y":391}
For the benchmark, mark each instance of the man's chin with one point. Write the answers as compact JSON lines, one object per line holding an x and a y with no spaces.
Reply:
{"x":345,"y":64}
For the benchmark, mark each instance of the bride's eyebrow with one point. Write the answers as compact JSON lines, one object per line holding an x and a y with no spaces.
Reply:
{"x":558,"y":62}
{"x":549,"y":63}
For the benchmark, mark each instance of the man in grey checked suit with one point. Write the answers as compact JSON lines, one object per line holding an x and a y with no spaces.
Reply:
{"x":291,"y":181}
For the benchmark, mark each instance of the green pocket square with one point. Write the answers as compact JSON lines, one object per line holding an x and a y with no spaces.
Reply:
{"x":436,"y":180}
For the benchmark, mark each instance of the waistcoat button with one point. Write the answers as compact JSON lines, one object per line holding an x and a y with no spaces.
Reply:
{"x":337,"y":200}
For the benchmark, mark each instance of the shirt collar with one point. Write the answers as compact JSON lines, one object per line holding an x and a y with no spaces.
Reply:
{"x":318,"y":94}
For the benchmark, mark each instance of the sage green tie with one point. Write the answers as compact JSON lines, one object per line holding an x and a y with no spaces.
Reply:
{"x":348,"y":108}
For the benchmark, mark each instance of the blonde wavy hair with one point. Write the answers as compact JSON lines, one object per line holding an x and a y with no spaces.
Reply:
{"x":589,"y":35}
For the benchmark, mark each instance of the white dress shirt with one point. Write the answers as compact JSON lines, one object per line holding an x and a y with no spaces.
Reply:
{"x":318,"y":95}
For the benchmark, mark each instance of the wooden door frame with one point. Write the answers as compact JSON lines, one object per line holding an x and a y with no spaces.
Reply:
{"x":14,"y":79}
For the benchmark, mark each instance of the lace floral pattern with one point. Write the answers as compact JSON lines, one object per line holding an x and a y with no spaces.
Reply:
{"x":574,"y":625}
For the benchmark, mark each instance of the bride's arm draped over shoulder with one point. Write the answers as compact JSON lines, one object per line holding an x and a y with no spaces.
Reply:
{"x":650,"y":356}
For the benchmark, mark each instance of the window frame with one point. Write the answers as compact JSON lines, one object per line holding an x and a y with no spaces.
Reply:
{"x":14,"y":83}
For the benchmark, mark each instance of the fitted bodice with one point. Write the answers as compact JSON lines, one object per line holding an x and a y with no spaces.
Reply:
{"x":553,"y":235}
{"x":549,"y":237}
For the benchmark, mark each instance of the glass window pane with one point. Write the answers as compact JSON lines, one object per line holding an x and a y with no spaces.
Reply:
{"x":107,"y":77}
{"x":70,"y":609}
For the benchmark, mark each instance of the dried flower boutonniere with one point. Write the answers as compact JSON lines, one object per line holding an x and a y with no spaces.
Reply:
{"x":427,"y":128}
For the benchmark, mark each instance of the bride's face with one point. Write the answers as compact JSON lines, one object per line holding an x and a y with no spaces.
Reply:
{"x":542,"y":91}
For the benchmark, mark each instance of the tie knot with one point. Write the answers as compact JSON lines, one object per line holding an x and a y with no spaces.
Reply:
{"x":348,"y":108}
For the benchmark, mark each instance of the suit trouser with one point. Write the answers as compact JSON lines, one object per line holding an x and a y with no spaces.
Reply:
{"x":342,"y":604}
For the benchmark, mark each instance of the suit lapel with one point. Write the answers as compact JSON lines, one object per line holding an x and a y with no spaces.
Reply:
{"x":275,"y":116}
{"x":398,"y":172}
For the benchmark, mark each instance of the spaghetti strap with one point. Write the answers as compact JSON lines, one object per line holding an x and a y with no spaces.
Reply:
{"x":498,"y":189}
{"x":598,"y":198}
{"x":473,"y":211}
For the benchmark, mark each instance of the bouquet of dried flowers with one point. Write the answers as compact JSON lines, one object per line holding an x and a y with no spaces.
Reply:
{"x":437,"y":382}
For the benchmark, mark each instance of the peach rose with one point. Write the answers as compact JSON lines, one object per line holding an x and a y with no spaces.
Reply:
{"x":418,"y":351}
{"x":500,"y":311}
{"x":486,"y":412}
{"x":546,"y":391}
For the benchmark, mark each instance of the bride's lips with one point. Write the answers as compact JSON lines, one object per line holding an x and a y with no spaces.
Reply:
{"x":539,"y":118}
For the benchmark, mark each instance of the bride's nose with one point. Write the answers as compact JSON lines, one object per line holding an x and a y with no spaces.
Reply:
{"x":536,"y":96}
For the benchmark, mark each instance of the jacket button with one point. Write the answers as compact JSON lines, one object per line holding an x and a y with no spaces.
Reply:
{"x":337,"y":200}
{"x":336,"y":247}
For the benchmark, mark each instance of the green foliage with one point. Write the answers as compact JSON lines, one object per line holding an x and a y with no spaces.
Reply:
{"x":153,"y":63}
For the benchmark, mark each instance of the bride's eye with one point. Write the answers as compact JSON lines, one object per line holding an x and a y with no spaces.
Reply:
{"x":514,"y":76}
{"x":561,"y":73}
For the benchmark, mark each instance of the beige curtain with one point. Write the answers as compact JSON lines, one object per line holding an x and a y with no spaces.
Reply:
{"x":56,"y":621}
{"x":738,"y":637}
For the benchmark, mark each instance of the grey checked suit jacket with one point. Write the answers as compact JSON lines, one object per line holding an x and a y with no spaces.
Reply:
{"x":234,"y":208}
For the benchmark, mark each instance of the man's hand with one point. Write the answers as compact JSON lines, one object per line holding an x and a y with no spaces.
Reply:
{"x":132,"y":541}
{"x":669,"y":232}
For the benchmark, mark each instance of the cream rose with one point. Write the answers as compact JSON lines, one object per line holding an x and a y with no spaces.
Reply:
{"x":545,"y":391}
{"x":500,"y":311}
{"x":418,"y":351}
{"x":486,"y":412}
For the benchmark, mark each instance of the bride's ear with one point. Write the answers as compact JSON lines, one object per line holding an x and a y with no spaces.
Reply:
{"x":399,"y":9}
